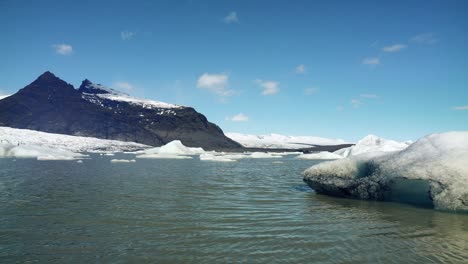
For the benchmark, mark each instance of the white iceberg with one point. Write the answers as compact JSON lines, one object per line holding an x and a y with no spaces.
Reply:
{"x":372,"y":143}
{"x":26,"y":137}
{"x":281,"y":141}
{"x":432,"y":172}
{"x":8,"y":150}
{"x":172,"y":150}
{"x":325,"y":155}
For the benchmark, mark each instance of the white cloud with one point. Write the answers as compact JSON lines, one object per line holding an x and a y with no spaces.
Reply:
{"x":231,"y":18}
{"x":463,"y":107}
{"x":311,"y":90}
{"x":300,"y":69}
{"x":425,"y":38}
{"x":269,"y":87}
{"x":124,"y":86}
{"x":216,"y":83}
{"x":63,"y":49}
{"x":356,"y":103}
{"x":339,"y":108}
{"x":394,"y":48}
{"x":238,"y":118}
{"x":373,"y":61}
{"x":127,"y":35}
{"x":4,"y":95}
{"x":369,"y":96}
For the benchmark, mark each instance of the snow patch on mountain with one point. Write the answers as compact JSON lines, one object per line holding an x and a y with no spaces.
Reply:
{"x":281,"y":141}
{"x":103,"y":92}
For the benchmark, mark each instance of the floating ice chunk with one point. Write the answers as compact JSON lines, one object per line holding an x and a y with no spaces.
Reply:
{"x":172,"y":148}
{"x":122,"y":161}
{"x":320,"y":155}
{"x":433,"y":172}
{"x":79,"y":161}
{"x":372,"y":143}
{"x":162,"y":156}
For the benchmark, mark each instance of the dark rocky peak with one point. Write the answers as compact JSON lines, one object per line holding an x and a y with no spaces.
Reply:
{"x":94,"y":88}
{"x":48,"y":83}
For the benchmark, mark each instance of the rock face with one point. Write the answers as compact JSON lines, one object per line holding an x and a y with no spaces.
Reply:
{"x":431,"y":172}
{"x":51,"y":105}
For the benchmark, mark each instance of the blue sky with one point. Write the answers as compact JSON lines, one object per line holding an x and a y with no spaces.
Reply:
{"x":341,"y":69}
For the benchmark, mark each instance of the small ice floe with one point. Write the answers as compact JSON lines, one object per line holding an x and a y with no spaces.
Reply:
{"x":215,"y":158}
{"x":122,"y":161}
{"x":79,"y":161}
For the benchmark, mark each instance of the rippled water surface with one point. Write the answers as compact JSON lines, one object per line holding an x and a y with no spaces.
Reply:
{"x":179,"y":211}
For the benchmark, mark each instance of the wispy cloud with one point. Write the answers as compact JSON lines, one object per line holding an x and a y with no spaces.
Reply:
{"x":369,"y":96}
{"x":215,"y":83}
{"x":311,"y":90}
{"x":459,"y":108}
{"x":394,"y":48}
{"x":425,"y":38}
{"x":238,"y":118}
{"x":301,"y":69}
{"x":269,"y":87}
{"x":356,"y":103}
{"x":373,"y":61}
{"x":63,"y":49}
{"x":124,"y":86}
{"x":127,"y":35}
{"x":231,"y":18}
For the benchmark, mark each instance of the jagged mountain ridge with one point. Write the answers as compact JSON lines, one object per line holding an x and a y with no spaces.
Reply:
{"x":49,"y":104}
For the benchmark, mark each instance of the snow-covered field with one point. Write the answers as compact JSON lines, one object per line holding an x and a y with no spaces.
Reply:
{"x":281,"y":141}
{"x":431,"y":171}
{"x":29,"y":143}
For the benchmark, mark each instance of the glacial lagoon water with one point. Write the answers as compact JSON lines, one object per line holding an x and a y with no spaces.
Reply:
{"x":189,"y":211}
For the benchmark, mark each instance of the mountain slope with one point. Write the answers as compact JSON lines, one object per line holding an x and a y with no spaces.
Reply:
{"x":51,"y":105}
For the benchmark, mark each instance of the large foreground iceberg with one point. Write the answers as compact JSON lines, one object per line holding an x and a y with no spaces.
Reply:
{"x":431,"y":172}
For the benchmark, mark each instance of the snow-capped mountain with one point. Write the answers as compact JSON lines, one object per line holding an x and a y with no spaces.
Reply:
{"x":282,"y":141}
{"x":51,"y":105}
